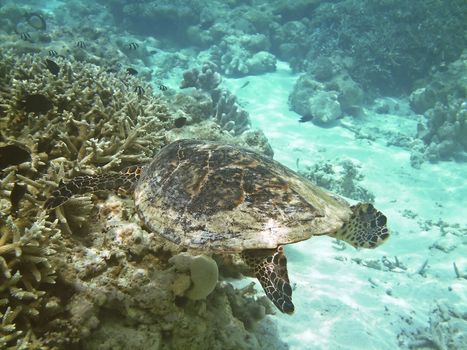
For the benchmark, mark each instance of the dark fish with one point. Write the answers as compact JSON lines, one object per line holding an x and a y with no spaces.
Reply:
{"x":25,"y":36}
{"x":179,"y":122}
{"x":81,"y":44}
{"x":53,"y":53}
{"x":443,"y":67}
{"x":36,"y":21}
{"x":36,"y":103}
{"x":306,"y":118}
{"x":131,"y":71}
{"x":16,"y":195}
{"x":13,"y":155}
{"x":139,"y":90}
{"x":245,"y":84}
{"x":133,"y":46}
{"x":162,"y":87}
{"x":52,"y":67}
{"x":112,"y":70}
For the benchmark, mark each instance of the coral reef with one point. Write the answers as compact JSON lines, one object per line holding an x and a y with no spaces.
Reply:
{"x":243,"y":54}
{"x":443,"y":101}
{"x":324,"y":102}
{"x":25,"y":273}
{"x":110,"y":274}
{"x":341,"y":178}
{"x":226,"y":110}
{"x":376,"y":39}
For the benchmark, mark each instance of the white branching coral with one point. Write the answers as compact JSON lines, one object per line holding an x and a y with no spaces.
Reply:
{"x":25,"y":269}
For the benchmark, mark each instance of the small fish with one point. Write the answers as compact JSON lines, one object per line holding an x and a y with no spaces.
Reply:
{"x":36,"y":21}
{"x":81,"y":44}
{"x":16,"y":195}
{"x":306,"y":118}
{"x":25,"y":36}
{"x":179,"y":122}
{"x":52,"y":67}
{"x":133,"y":46}
{"x":112,"y":70}
{"x":245,"y":84}
{"x":163,"y":87}
{"x":36,"y":103}
{"x":53,"y":53}
{"x":13,"y":155}
{"x":139,"y":90}
{"x":131,"y":71}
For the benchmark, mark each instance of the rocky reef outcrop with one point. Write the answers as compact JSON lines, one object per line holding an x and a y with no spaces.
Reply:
{"x":326,"y":94}
{"x":442,"y":99}
{"x":225,"y":109}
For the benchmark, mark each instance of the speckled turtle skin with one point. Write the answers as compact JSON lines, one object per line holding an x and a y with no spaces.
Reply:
{"x":223,"y":198}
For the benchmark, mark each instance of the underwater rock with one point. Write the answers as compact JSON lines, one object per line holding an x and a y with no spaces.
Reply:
{"x":443,"y":102}
{"x":203,"y":274}
{"x":241,"y":55}
{"x":226,"y":111}
{"x":257,"y":140}
{"x":324,"y":107}
{"x":207,"y":79}
{"x":194,"y":102}
{"x":382,"y":60}
{"x":324,"y":102}
{"x":261,"y":62}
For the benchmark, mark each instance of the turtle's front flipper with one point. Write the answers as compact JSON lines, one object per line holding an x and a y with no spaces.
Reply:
{"x":366,"y":228}
{"x":270,"y":268}
{"x":125,"y":179}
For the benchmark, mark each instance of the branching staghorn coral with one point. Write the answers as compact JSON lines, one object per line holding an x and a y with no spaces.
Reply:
{"x":95,"y":116}
{"x":25,"y":270}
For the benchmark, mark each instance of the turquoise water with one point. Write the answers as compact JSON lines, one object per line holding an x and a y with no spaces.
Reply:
{"x":366,"y":99}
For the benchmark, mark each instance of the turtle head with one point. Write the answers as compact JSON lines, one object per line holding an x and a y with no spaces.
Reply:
{"x":366,"y":227}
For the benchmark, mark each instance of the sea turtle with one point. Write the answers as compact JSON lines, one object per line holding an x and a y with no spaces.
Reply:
{"x":226,"y":199}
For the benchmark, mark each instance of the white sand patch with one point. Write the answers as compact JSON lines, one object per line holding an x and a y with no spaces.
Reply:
{"x":342,"y":304}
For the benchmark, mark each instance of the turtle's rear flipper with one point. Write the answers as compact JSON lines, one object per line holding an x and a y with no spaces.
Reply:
{"x":366,"y":228}
{"x":270,"y":268}
{"x":87,"y":184}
